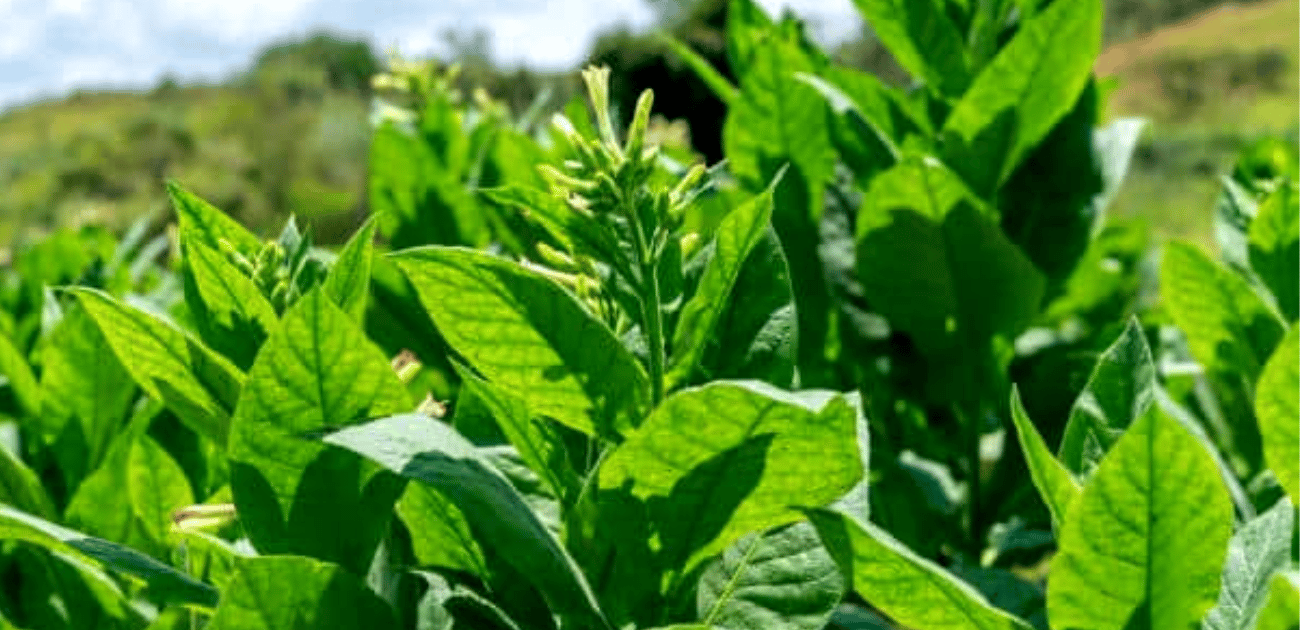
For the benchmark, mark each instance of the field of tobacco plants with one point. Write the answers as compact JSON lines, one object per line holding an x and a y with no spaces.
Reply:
{"x":887,"y":366}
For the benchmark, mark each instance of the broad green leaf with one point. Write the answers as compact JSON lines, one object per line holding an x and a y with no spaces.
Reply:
{"x":867,"y":121}
{"x":210,"y":225}
{"x":913,"y":591}
{"x":923,"y":40}
{"x":86,"y":393}
{"x":1283,"y":606}
{"x":1275,"y":247}
{"x":782,"y":580}
{"x":525,"y":333}
{"x":317,"y":373}
{"x":777,"y":119}
{"x":726,"y":309}
{"x":22,"y":382}
{"x":348,"y":282}
{"x":726,"y":459}
{"x":1120,"y":389}
{"x":165,"y":583}
{"x":21,"y":488}
{"x":539,"y":445}
{"x":1022,"y":93}
{"x":1143,"y":545}
{"x":938,"y":268}
{"x":1261,"y":548}
{"x":296,"y":593}
{"x":428,"y":451}
{"x":198,"y":385}
{"x":230,"y":312}
{"x":1055,"y":484}
{"x":440,"y":534}
{"x":1228,"y":327}
{"x":1277,"y":407}
{"x":131,"y":497}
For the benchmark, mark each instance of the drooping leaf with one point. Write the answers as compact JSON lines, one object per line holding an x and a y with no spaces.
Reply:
{"x":525,"y":333}
{"x":1143,"y":544}
{"x":317,"y":373}
{"x":910,"y":589}
{"x":1021,"y":94}
{"x":198,"y":385}
{"x":1120,"y":389}
{"x":296,"y":593}
{"x":923,"y":40}
{"x":1055,"y":484}
{"x":1277,"y":406}
{"x":428,"y":451}
{"x":348,"y":282}
{"x":165,"y":583}
{"x":782,"y":579}
{"x":1260,"y":549}
{"x":726,"y":459}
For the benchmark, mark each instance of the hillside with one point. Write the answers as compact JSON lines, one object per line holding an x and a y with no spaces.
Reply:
{"x":1209,"y":85}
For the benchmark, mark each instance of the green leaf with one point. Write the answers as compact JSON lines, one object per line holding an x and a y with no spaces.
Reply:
{"x":131,"y":497}
{"x":199,"y":386}
{"x":722,"y":88}
{"x":1283,"y":606}
{"x":743,"y":300}
{"x":1261,"y":548}
{"x":748,"y":26}
{"x":1275,"y":247}
{"x":913,"y":591}
{"x":208,"y":224}
{"x":1022,"y":93}
{"x":1055,"y":484}
{"x":1143,"y":545}
{"x":939,"y":269}
{"x":318,"y":372}
{"x":21,"y":488}
{"x":423,"y":449}
{"x":525,"y":333}
{"x":230,"y":312}
{"x":295,"y":593}
{"x":348,"y":282}
{"x":539,"y":445}
{"x":21,"y":379}
{"x":778,"y":580}
{"x":1227,"y":326}
{"x":86,"y":392}
{"x":924,"y":41}
{"x":731,"y":458}
{"x":1277,"y":406}
{"x":440,"y":534}
{"x":1120,"y":389}
{"x":165,"y":583}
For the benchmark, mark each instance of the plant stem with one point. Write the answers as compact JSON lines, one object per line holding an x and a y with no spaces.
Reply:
{"x":970,"y":421}
{"x":652,"y":316}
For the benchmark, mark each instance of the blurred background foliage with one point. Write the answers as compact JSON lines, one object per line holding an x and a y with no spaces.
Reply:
{"x":290,"y":134}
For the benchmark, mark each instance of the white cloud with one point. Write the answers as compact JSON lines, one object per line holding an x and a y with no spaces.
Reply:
{"x":50,"y":46}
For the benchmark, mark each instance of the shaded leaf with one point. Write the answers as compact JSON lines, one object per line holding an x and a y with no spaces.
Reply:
{"x":1055,"y":484}
{"x":295,"y":593}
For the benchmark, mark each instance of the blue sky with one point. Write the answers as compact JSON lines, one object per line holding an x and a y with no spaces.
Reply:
{"x":48,"y":47}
